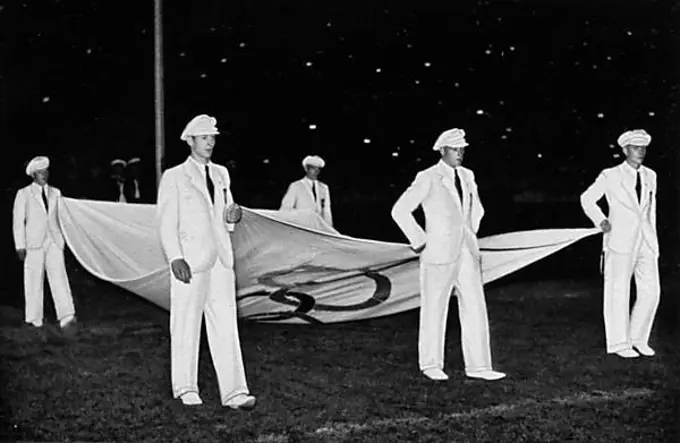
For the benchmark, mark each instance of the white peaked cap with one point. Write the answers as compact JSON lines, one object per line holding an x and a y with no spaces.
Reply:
{"x":453,"y":137}
{"x":36,"y":164}
{"x":636,"y":137}
{"x":200,"y":125}
{"x":313,"y":160}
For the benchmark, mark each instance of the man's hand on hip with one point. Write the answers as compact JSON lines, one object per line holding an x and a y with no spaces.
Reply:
{"x":21,"y":253}
{"x":418,"y":249}
{"x":181,"y":270}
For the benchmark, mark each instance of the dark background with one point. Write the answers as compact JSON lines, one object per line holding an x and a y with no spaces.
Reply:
{"x":542,"y":88}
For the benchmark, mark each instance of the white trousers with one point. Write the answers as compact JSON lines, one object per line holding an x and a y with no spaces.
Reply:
{"x":437,"y":283}
{"x":50,"y":258}
{"x":625,"y":328}
{"x":211,"y":293}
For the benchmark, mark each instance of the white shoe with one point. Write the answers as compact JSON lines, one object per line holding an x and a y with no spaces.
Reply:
{"x":66,"y":320}
{"x":627,"y":353}
{"x":435,"y":374}
{"x":191,"y":399}
{"x":486,"y":375}
{"x":645,"y":350}
{"x":241,"y":401}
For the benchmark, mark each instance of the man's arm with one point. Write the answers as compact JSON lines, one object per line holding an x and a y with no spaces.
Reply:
{"x":19,"y":221}
{"x":589,"y":200}
{"x":402,"y":211}
{"x":289,"y":200}
{"x":328,"y":216}
{"x":477,"y":210}
{"x":652,"y":215}
{"x":167,"y":215}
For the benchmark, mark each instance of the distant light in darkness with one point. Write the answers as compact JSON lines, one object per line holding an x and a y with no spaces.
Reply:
{"x":395,"y":154}
{"x":480,"y":111}
{"x":367,"y":140}
{"x":265,"y":161}
{"x":651,"y":113}
{"x":45,"y":99}
{"x":224,"y":60}
{"x":600,"y":115}
{"x":312,"y":126}
{"x":428,"y":64}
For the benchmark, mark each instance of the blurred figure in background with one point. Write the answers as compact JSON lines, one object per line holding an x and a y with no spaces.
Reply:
{"x":117,"y":182}
{"x":309,"y":192}
{"x":133,"y":185}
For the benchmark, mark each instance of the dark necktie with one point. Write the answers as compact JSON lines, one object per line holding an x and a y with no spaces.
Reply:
{"x":638,"y":185}
{"x":458,"y":188}
{"x":209,"y":183}
{"x":44,"y":198}
{"x":314,"y":190}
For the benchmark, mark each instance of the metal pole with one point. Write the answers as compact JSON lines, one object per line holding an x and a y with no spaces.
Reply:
{"x":158,"y":39}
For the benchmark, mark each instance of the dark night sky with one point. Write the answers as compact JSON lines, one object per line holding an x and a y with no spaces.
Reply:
{"x":542,"y":88}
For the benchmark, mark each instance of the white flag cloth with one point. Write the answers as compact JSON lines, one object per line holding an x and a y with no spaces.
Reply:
{"x":290,"y":266}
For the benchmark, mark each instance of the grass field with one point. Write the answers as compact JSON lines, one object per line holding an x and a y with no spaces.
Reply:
{"x":346,"y":382}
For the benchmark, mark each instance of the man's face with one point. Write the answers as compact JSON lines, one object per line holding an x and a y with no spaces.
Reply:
{"x":635,"y":154}
{"x":313,"y":172}
{"x":452,"y":156}
{"x":40,"y":176}
{"x":202,"y":146}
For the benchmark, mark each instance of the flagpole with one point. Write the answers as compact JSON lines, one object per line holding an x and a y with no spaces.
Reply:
{"x":158,"y":77}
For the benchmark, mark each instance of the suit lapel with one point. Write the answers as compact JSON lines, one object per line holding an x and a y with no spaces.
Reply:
{"x":196,"y":179}
{"x":447,"y":181}
{"x":627,"y":190}
{"x":646,"y":187}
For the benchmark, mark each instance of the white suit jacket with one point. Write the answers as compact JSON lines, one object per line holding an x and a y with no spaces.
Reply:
{"x":299,"y":196}
{"x":448,"y":221}
{"x":629,"y":219}
{"x":190,"y":227}
{"x":32,"y":224}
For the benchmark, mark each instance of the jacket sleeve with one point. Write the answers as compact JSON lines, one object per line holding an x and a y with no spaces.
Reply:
{"x":327,"y":214}
{"x":229,"y":196}
{"x":19,"y":220}
{"x":591,"y":196}
{"x":289,"y":200}
{"x":652,"y":215}
{"x":402,"y":211}
{"x":167,"y":214}
{"x":477,"y":210}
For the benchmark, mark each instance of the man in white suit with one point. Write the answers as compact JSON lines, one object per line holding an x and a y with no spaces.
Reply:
{"x":196,"y":213}
{"x":309,"y":192}
{"x":39,"y":244}
{"x":450,"y":258}
{"x":630,"y":246}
